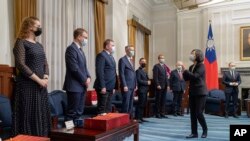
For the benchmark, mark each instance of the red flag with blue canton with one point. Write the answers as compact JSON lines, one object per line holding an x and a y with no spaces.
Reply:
{"x":211,"y":62}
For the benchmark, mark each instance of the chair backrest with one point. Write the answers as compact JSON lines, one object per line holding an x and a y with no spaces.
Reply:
{"x":5,"y":111}
{"x":216,"y":93}
{"x":169,"y":97}
{"x":58,"y":102}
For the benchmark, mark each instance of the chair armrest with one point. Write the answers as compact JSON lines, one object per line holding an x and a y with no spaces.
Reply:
{"x":213,"y":100}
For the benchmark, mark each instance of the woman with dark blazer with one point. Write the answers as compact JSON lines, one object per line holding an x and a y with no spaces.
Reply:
{"x":197,"y":92}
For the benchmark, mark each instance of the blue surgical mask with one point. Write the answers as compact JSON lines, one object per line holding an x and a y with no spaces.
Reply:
{"x":84,"y":42}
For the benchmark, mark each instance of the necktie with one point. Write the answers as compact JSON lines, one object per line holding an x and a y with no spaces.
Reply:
{"x":131,"y":61}
{"x":81,"y":50}
{"x":112,"y":58}
{"x":233,"y":74}
{"x":180,"y":74}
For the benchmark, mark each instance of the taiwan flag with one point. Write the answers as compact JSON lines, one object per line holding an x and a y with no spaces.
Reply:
{"x":211,"y":62}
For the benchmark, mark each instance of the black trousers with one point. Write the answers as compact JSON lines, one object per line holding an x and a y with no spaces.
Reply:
{"x":127,"y":102}
{"x":142,"y":101}
{"x":197,"y":106}
{"x":177,"y":101}
{"x":76,"y":101}
{"x":160,"y":101}
{"x":234,"y":96}
{"x":104,"y":101}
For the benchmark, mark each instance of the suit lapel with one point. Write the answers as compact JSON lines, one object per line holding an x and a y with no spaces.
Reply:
{"x":109,"y":58}
{"x":128,"y":63}
{"x":79,"y":52}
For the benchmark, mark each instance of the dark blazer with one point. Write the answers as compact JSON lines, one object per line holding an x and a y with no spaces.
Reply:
{"x":176,"y":83}
{"x":105,"y":71}
{"x":197,"y":79}
{"x":227,"y":78}
{"x":142,"y":80}
{"x":76,"y":69}
{"x":160,"y":76}
{"x":127,"y":73}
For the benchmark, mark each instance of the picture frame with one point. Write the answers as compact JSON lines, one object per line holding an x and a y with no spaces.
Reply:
{"x":245,"y":43}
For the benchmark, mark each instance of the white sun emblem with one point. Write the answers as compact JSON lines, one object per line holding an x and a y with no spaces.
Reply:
{"x":210,"y":44}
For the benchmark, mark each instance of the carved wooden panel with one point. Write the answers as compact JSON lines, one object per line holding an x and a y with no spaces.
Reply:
{"x":6,"y":80}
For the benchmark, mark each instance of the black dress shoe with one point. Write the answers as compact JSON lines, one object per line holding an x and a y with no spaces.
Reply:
{"x":226,"y":115}
{"x":158,"y":116}
{"x":163,"y":116}
{"x":179,"y":114}
{"x":143,"y":120}
{"x":175,"y":114}
{"x":192,"y":136}
{"x":235,"y":116}
{"x":204,"y":134}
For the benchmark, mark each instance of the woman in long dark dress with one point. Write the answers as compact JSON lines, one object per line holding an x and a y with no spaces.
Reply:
{"x":31,"y":113}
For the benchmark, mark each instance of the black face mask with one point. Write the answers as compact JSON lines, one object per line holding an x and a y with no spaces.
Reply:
{"x":38,"y":32}
{"x":143,"y":65}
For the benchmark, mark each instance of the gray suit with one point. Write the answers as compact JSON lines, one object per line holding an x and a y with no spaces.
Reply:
{"x":127,"y":77}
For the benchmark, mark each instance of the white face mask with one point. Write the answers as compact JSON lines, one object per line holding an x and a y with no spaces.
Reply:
{"x":162,"y":60}
{"x":179,"y":68}
{"x":131,"y":53}
{"x":192,"y":58}
{"x":84,"y":42}
{"x":232,"y":68}
{"x":113,"y":50}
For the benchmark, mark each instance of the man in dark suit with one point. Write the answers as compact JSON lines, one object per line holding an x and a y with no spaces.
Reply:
{"x":105,"y":77}
{"x":77,"y":77}
{"x":178,"y":86}
{"x":128,"y":80}
{"x":143,"y":86}
{"x":232,"y":80}
{"x":160,"y":79}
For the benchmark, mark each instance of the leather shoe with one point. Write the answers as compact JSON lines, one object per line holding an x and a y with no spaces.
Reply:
{"x":158,"y":116}
{"x":204,"y":134}
{"x":179,"y":114}
{"x":143,"y":120}
{"x":235,"y":116}
{"x":226,"y":115}
{"x":163,"y":116}
{"x":175,"y":114}
{"x":192,"y":136}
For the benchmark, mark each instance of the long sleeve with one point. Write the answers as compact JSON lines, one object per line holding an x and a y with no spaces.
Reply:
{"x":100,"y":63}
{"x":19,"y":54}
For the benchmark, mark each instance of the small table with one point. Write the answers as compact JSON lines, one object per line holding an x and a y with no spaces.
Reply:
{"x":248,"y":106}
{"x":81,"y":134}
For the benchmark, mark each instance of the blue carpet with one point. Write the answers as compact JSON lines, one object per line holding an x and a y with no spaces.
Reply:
{"x":176,"y":128}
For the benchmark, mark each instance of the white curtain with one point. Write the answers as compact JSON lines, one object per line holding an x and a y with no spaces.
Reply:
{"x":139,"y":47}
{"x":58,"y":19}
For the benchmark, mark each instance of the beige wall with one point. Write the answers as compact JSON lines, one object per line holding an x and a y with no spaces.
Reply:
{"x":226,"y":19}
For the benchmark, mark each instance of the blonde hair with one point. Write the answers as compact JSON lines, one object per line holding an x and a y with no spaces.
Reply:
{"x":27,"y":23}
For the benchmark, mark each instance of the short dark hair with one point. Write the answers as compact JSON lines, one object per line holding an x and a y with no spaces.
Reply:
{"x":160,"y":55}
{"x":78,"y":32}
{"x":106,"y":42}
{"x":141,"y":59}
{"x":199,"y":56}
{"x":128,"y":46}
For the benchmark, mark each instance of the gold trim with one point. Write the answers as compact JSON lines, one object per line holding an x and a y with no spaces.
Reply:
{"x":242,"y":58}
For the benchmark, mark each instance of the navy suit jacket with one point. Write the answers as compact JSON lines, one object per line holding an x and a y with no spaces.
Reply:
{"x":127,"y":73}
{"x":142,"y":80}
{"x":176,"y":83}
{"x":76,"y":69}
{"x":197,"y":79}
{"x":105,"y":71}
{"x":227,"y":78}
{"x":160,"y":76}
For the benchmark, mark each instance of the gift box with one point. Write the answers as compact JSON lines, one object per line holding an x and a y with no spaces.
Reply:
{"x":106,"y":122}
{"x":28,"y":138}
{"x":91,"y":98}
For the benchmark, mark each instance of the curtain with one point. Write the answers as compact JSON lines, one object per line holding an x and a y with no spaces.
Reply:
{"x":58,"y":19}
{"x":140,"y":47}
{"x":99,"y":24}
{"x":23,"y":8}
{"x":146,"y":50}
